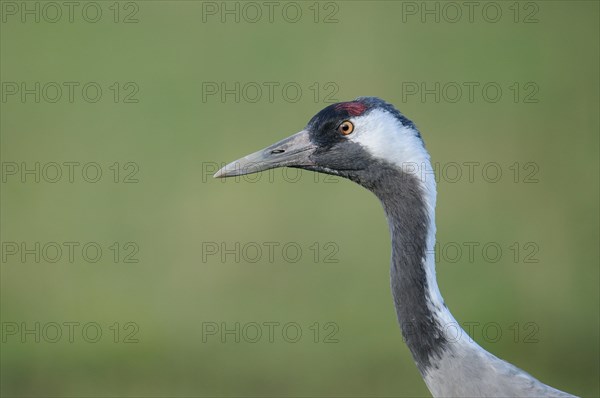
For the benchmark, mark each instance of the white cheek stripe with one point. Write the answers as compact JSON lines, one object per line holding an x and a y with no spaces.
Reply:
{"x":384,"y":137}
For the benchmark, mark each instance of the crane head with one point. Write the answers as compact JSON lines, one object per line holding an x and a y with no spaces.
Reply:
{"x":349,"y":139}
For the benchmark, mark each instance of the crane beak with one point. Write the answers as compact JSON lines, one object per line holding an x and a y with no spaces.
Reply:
{"x":292,"y":151}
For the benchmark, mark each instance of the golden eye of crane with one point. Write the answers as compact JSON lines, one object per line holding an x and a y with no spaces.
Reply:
{"x":346,"y":127}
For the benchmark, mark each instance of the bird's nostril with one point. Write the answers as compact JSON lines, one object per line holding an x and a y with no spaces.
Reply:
{"x":276,"y":151}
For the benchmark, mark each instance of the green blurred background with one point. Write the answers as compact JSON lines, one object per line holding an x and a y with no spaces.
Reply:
{"x":171,"y":138}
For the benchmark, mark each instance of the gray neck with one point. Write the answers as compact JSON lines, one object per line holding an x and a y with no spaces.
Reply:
{"x":451,"y":363}
{"x":409,"y":204}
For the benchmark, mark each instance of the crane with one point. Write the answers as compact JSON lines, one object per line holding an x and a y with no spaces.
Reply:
{"x":369,"y":141}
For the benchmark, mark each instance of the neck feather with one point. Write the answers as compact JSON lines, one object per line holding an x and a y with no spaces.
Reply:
{"x":408,"y":195}
{"x":442,"y":350}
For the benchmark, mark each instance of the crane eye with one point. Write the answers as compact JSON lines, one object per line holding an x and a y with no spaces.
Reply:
{"x":346,"y":127}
